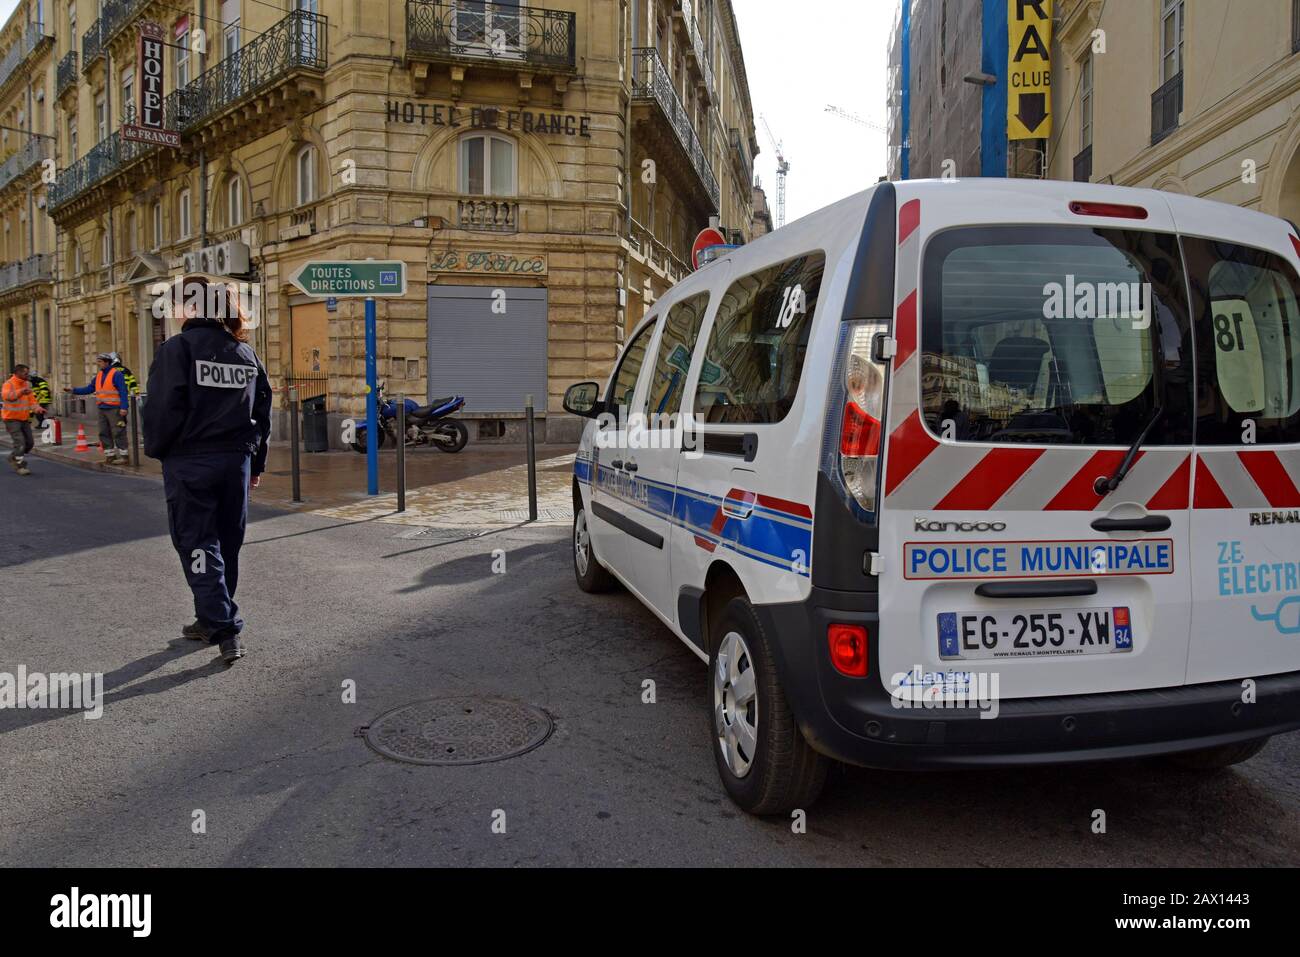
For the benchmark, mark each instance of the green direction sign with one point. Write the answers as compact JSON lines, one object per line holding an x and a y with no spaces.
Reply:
{"x":325,"y":279}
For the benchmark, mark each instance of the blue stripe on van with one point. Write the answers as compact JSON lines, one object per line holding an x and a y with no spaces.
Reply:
{"x":768,"y":535}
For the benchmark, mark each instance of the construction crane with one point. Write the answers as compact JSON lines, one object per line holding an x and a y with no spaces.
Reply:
{"x":782,"y":169}
{"x":854,"y":118}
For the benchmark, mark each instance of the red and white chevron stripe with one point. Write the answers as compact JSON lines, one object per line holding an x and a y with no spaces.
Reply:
{"x":1248,"y":478}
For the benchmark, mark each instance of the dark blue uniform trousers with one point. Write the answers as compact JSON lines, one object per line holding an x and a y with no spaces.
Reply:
{"x":207,"y":508}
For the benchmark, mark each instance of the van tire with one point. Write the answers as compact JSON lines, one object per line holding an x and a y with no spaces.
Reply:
{"x":784,"y":773}
{"x":591,"y":574}
{"x":1214,"y":759}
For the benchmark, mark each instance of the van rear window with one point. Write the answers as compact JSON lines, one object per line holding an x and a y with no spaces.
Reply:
{"x":1247,"y":344}
{"x":1044,"y":335}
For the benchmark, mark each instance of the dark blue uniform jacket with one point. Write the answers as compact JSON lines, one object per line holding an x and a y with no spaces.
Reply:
{"x":207,"y":393}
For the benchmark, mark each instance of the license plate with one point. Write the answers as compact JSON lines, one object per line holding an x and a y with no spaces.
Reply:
{"x":1030,"y":634}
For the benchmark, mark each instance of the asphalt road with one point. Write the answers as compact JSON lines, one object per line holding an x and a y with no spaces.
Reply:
{"x":267,"y":750}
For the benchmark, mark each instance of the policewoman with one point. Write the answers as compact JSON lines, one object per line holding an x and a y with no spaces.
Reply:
{"x":207,"y":419}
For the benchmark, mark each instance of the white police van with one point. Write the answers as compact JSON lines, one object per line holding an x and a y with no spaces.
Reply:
{"x":966,"y":474}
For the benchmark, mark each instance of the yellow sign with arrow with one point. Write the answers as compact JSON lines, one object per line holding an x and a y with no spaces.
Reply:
{"x":1029,"y":69}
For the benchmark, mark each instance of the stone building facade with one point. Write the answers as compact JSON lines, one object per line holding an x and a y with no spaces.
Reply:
{"x":541,"y":172}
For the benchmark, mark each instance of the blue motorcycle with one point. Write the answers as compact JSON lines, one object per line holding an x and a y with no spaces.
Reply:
{"x":425,"y":424}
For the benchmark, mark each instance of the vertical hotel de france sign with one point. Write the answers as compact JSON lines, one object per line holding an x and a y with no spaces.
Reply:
{"x":149,"y":119}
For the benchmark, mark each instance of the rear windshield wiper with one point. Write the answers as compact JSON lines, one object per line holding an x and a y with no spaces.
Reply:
{"x":1104,"y":486}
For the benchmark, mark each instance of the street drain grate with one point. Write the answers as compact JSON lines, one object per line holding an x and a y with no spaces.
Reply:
{"x":543,"y":514}
{"x":468,"y":730}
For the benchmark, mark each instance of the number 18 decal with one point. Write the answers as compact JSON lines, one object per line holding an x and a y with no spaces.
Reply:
{"x":793,"y":303}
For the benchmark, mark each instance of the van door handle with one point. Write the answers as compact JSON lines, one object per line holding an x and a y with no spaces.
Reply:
{"x":1047,"y":589}
{"x":1147,"y":523}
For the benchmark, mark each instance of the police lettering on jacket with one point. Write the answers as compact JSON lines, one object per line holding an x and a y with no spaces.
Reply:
{"x":223,"y":376}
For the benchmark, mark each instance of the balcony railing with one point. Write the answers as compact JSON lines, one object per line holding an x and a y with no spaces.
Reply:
{"x":118,"y":13}
{"x":650,"y":81}
{"x":296,"y":42}
{"x":38,"y":268}
{"x":66,"y":75}
{"x":744,"y":163}
{"x":29,"y":154}
{"x":487,"y":215}
{"x":33,"y":36}
{"x":499,"y":32}
{"x":92,"y":44}
{"x":656,"y":253}
{"x":1166,"y":104}
{"x":1083,"y":165}
{"x":685,"y":13}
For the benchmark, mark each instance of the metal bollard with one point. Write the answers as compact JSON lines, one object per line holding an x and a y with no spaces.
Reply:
{"x":135,"y":430}
{"x":401,"y":452}
{"x":531,"y":439}
{"x":295,"y":463}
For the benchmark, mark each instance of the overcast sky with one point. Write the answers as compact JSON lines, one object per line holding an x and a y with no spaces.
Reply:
{"x":800,"y":57}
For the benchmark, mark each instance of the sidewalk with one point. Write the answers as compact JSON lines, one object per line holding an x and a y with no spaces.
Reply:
{"x":480,"y":487}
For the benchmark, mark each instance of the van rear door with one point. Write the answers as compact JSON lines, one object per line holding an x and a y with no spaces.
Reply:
{"x":1245,"y":297}
{"x":1031,"y":360}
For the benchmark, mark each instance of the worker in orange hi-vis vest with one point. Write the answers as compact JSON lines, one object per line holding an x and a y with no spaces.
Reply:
{"x":109,"y":389}
{"x":17,"y":406}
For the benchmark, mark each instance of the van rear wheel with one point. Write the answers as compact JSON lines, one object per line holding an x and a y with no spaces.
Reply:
{"x":765,"y":764}
{"x":1224,"y":756}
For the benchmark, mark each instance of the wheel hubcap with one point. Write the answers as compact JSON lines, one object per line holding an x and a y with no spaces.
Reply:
{"x":735,"y":704}
{"x":581,"y":543}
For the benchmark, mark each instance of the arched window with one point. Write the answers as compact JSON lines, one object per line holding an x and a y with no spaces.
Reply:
{"x":234,"y":201}
{"x":305,"y":174}
{"x":487,"y":166}
{"x":183,"y":214}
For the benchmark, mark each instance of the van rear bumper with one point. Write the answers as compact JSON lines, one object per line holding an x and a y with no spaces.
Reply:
{"x":855,"y":720}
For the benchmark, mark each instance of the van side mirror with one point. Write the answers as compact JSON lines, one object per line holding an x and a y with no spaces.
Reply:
{"x":582,"y":399}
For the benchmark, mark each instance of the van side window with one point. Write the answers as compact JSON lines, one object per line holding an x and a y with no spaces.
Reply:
{"x":676,"y":346}
{"x":1248,"y":344}
{"x":619,"y":400}
{"x":755,"y":354}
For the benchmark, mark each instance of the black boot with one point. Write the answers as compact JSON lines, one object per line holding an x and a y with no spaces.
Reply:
{"x":197,"y":632}
{"x":231,"y":651}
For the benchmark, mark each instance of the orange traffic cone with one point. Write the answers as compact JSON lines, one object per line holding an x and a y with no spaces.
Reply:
{"x":82,"y":444}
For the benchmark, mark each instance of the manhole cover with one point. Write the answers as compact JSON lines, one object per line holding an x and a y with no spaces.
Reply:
{"x":458,"y":731}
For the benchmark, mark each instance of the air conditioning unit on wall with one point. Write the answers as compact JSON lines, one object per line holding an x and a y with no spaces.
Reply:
{"x":230,"y":258}
{"x":191,"y":262}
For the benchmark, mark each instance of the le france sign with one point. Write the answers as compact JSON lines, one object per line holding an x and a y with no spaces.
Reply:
{"x":326,"y":279}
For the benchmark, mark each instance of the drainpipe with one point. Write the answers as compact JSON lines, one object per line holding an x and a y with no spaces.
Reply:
{"x":203,"y":154}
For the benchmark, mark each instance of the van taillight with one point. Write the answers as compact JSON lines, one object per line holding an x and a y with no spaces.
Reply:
{"x":848,"y":648}
{"x":860,"y":429}
{"x":1116,"y":210}
{"x":861,"y":433}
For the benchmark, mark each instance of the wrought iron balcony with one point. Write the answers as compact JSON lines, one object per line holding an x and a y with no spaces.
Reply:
{"x":66,"y":75}
{"x":296,"y":42}
{"x":30,"y":154}
{"x":15,"y":275}
{"x":32,"y":37}
{"x":744,"y":164}
{"x":684,"y":16}
{"x":501,"y":33}
{"x":118,"y":13}
{"x":652,"y":83}
{"x":92,"y":44}
{"x":487,"y":215}
{"x":1166,"y":104}
{"x":1083,"y":165}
